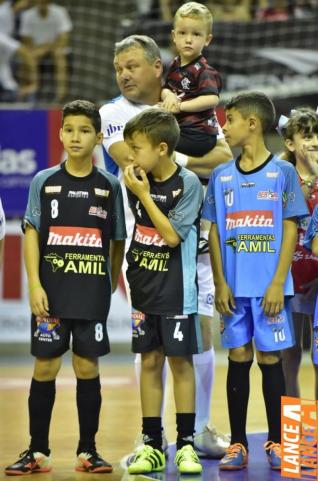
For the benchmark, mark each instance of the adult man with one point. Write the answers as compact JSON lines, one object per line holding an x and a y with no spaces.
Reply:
{"x":138,"y":72}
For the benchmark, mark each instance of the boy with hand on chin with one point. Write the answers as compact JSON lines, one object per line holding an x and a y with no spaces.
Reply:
{"x":166,"y":202}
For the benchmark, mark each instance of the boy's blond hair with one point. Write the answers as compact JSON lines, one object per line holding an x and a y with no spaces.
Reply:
{"x":195,"y":10}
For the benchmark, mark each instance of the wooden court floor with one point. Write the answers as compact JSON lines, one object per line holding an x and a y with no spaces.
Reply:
{"x":120,"y":416}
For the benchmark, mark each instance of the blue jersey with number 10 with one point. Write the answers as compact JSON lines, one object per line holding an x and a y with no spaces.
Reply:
{"x":249,"y":209}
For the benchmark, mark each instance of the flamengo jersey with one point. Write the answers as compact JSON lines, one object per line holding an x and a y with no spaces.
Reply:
{"x":76,"y":217}
{"x":162,"y":279}
{"x":249,"y":209}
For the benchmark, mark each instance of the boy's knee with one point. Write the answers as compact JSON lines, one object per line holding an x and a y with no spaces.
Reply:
{"x":152,"y":361}
{"x":268,"y":357}
{"x":46,"y":369}
{"x":242,"y":354}
{"x":85,"y":368}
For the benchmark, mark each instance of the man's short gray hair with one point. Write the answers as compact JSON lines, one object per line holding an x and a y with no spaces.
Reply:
{"x":147,"y":44}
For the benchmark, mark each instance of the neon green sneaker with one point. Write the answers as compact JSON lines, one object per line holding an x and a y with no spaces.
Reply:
{"x":187,"y":460}
{"x":147,"y":460}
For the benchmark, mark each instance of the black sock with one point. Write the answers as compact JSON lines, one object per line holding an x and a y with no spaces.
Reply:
{"x":89,"y":401}
{"x":152,"y":431}
{"x":185,"y":429}
{"x":41,"y":402}
{"x":238,"y":390}
{"x":273,"y":388}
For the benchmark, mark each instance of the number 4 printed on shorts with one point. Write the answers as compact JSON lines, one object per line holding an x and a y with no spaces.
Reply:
{"x":177,"y":332}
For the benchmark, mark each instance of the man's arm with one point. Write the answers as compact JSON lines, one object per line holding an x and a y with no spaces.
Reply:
{"x":200,"y":103}
{"x":38,"y":298}
{"x":273,"y":301}
{"x":119,"y":153}
{"x":116,"y":254}
{"x":315,"y":246}
{"x":224,"y":299}
{"x":203,"y":166}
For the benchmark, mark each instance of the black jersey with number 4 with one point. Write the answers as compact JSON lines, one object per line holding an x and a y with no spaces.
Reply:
{"x":162,"y":279}
{"x":76,"y":217}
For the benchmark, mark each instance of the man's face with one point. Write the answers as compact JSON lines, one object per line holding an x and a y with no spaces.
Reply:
{"x":137,"y":78}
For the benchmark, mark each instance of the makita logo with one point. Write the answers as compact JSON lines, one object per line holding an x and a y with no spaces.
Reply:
{"x":74,"y":236}
{"x":249,"y":218}
{"x":148,"y":236}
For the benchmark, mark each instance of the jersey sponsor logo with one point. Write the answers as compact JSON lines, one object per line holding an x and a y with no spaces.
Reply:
{"x":267,"y":195}
{"x":272,"y":175}
{"x":78,"y":194}
{"x":152,"y":261}
{"x":148,"y":236}
{"x":249,"y":218}
{"x":53,"y":189}
{"x":47,"y":328}
{"x":252,"y":243}
{"x":77,"y":263}
{"x":98,"y":211}
{"x":113,"y":129}
{"x":247,"y":184}
{"x":101,"y":192}
{"x":74,"y":236}
{"x":226,"y":178}
{"x":159,"y":198}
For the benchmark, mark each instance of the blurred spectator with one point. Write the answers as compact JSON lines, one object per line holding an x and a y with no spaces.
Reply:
{"x":45,"y":30}
{"x":2,"y":231}
{"x":11,"y":51}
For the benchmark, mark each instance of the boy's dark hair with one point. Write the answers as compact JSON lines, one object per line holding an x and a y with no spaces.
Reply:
{"x":257,"y":103}
{"x":158,"y":125}
{"x":83,"y":107}
{"x":303,"y":120}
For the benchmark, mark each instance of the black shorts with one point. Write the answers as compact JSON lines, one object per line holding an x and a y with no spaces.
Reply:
{"x":178,"y":335}
{"x":50,"y":337}
{"x":194,"y":143}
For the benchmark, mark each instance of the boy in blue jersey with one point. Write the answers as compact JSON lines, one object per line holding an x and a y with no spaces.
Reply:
{"x":166,"y":201}
{"x":311,"y":242}
{"x":253,"y":203}
{"x":74,"y":245}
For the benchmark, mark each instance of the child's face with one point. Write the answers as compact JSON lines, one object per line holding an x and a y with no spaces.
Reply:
{"x":190,"y":37}
{"x":236,"y":128}
{"x":142,"y":154}
{"x":79,"y":136}
{"x":304,"y":146}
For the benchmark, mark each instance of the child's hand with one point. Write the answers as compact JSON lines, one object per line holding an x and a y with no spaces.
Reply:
{"x":311,"y":158}
{"x":139,"y":187}
{"x":171,"y":103}
{"x":224,"y":300}
{"x":39,"y":302}
{"x":273,"y":301}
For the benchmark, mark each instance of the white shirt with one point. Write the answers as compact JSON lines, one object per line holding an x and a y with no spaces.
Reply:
{"x":8,"y":46}
{"x":6,"y":18}
{"x":45,"y":29}
{"x":2,"y":222}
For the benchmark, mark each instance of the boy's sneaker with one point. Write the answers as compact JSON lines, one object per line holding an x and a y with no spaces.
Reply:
{"x":210,"y":443}
{"x":147,"y":460}
{"x":235,"y":458}
{"x":92,"y":462}
{"x":187,"y":460}
{"x":274,"y":454}
{"x":139,"y":442}
{"x":29,"y":462}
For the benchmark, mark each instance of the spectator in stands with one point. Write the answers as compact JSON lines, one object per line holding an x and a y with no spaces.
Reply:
{"x":12,"y":50}
{"x":45,"y":30}
{"x":2,"y":231}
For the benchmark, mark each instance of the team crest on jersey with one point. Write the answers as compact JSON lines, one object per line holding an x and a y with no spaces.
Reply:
{"x":47,"y":329}
{"x":101,"y":192}
{"x":185,"y":82}
{"x":279,"y":319}
{"x":229,"y":197}
{"x":53,"y":189}
{"x":137,"y":320}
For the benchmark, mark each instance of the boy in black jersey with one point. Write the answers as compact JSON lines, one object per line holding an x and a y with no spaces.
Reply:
{"x":166,"y":201}
{"x":74,"y":219}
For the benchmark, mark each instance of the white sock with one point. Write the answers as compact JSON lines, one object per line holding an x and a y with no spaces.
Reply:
{"x":204,"y":376}
{"x":164,"y":378}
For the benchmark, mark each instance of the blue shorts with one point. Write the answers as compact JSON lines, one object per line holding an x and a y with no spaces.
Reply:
{"x":249,"y":321}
